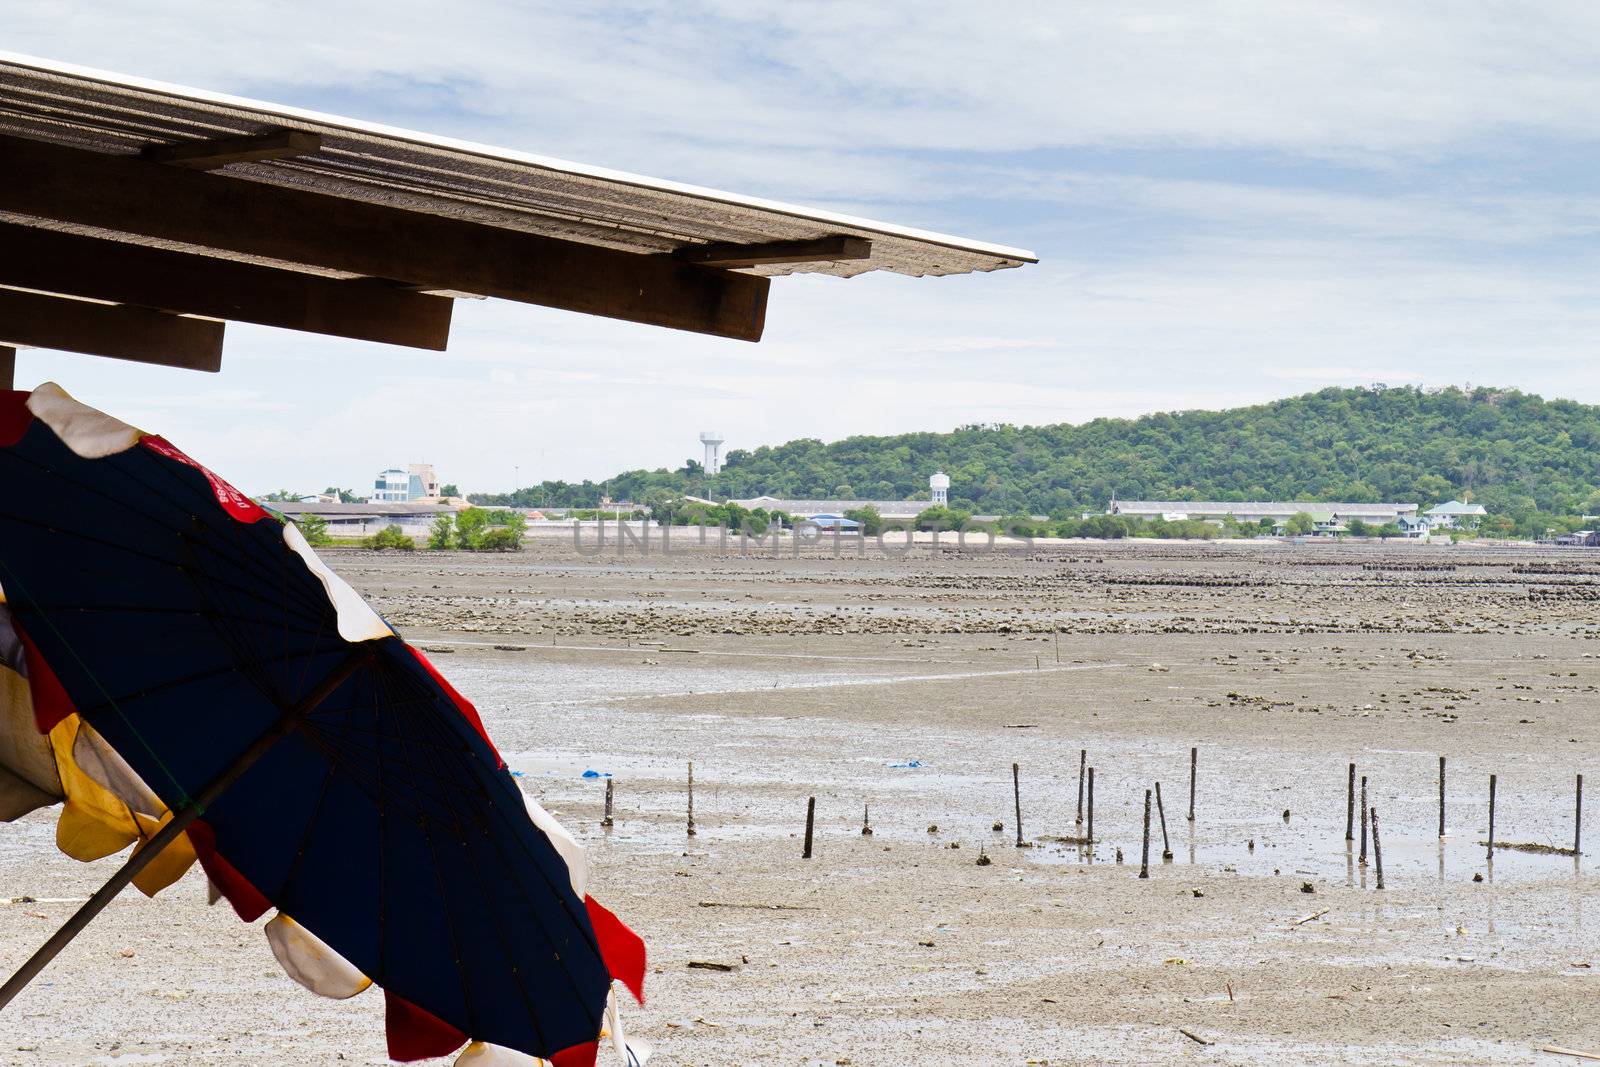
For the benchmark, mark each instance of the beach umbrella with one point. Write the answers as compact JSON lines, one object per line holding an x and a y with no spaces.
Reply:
{"x":233,"y":701}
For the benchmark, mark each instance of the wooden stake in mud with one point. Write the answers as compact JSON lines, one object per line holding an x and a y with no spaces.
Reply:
{"x":1350,"y":806}
{"x":1194,"y":763}
{"x":811,"y":818}
{"x":607,"y":820}
{"x":1441,"y":796}
{"x":866,"y":820}
{"x":1491,"y":815}
{"x":1363,"y":820}
{"x":691,"y":798}
{"x":1083,"y":758}
{"x":1089,"y":831}
{"x":1577,"y":821}
{"x":1377,"y":848}
{"x":1055,"y":632}
{"x":1161,"y":810}
{"x":1144,"y":862}
{"x":1016,"y":793}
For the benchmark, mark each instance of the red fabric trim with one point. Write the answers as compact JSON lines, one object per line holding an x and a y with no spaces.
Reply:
{"x":15,"y":418}
{"x":232,"y":501}
{"x":246,"y":899}
{"x":622,"y":950}
{"x":415,"y":1033}
{"x":583,"y":1055}
{"x":50,"y":701}
{"x":462,"y":704}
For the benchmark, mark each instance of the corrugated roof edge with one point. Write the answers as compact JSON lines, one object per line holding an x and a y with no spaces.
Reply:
{"x":149,"y":85}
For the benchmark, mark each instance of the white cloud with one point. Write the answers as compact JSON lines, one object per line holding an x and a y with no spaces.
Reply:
{"x":1233,"y":201}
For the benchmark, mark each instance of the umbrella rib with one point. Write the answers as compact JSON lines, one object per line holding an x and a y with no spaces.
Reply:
{"x":177,"y":531}
{"x":511,"y":962}
{"x":129,"y":550}
{"x":555,"y":891}
{"x":218,"y":524}
{"x":478,"y":773}
{"x":428,"y":717}
{"x":106,"y":609}
{"x":177,"y":683}
{"x":444,"y":899}
{"x":284,"y":889}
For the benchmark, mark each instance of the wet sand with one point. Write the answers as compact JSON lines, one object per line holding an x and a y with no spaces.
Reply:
{"x":783,"y":678}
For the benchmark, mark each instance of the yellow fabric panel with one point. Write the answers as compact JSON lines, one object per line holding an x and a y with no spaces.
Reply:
{"x":174,"y":861}
{"x":93,"y":823}
{"x":87,"y":834}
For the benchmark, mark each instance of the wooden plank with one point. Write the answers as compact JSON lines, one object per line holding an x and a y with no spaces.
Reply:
{"x":818,"y":250}
{"x":137,"y":334}
{"x":204,"y":285}
{"x":121,"y":194}
{"x":217,"y":152}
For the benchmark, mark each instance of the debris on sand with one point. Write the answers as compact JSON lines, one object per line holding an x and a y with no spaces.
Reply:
{"x":1531,"y":847}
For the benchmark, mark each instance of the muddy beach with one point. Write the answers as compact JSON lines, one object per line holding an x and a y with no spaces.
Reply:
{"x":907,"y":687}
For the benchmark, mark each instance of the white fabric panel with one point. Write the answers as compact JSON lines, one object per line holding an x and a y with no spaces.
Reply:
{"x":91,"y":434}
{"x":18,"y":797}
{"x":614,"y":1024}
{"x":565,"y":844}
{"x":481,"y":1054}
{"x":28,"y":777}
{"x":96,"y":758}
{"x":357,"y":620}
{"x":309,"y":961}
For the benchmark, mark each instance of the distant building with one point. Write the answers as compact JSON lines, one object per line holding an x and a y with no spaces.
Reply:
{"x":1454,"y":515}
{"x":1412,"y":525}
{"x":362,"y":520}
{"x":808,"y":509}
{"x":416,"y":485}
{"x":392,"y":487}
{"x":426,"y":480}
{"x":1333,"y":513}
{"x":835,"y":522}
{"x":938,"y":491}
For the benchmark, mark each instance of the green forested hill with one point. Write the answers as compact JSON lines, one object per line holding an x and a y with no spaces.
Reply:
{"x":1521,"y":456}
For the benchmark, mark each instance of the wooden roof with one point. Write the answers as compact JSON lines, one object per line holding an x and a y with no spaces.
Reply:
{"x":137,"y":216}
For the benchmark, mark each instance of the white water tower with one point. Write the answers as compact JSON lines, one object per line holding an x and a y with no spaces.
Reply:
{"x":713,"y":442}
{"x":939,"y":489}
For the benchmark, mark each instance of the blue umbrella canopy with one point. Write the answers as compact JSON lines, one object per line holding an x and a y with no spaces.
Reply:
{"x":320,"y":764}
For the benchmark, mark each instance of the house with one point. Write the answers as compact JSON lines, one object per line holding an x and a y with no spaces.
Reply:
{"x":1256,"y":510}
{"x":835,"y":522}
{"x":1455,"y":515}
{"x":1412,"y":525}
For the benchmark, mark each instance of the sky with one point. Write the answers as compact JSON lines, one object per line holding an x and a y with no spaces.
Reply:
{"x":1231,"y":202}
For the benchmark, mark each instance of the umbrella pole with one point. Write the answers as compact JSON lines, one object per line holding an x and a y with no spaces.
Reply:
{"x":180,"y":821}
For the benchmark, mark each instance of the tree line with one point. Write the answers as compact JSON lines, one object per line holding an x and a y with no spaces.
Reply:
{"x":1534,"y":464}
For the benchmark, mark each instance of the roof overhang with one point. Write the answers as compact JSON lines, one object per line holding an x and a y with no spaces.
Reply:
{"x":127,"y":200}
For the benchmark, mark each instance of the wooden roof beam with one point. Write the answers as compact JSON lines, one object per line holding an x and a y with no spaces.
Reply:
{"x":182,"y":282}
{"x":123,"y":195}
{"x":814,"y":250}
{"x":38,"y":321}
{"x":215,"y":152}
